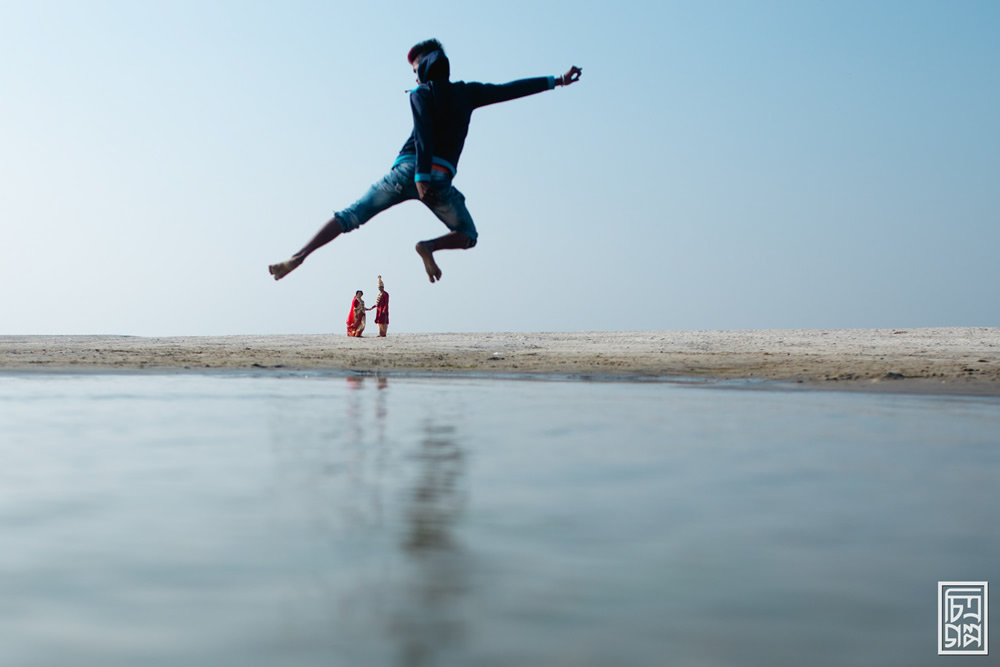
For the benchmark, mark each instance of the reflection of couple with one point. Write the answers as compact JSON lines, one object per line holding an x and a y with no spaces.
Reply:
{"x":356,"y":318}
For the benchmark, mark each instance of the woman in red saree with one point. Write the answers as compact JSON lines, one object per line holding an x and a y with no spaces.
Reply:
{"x":356,"y":318}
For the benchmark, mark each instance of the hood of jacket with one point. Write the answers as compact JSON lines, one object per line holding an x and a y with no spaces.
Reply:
{"x":433,"y":67}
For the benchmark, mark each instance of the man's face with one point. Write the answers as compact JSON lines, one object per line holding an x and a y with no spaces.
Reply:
{"x":416,"y":63}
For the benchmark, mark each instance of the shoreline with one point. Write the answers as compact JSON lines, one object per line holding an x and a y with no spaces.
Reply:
{"x":954,"y":361}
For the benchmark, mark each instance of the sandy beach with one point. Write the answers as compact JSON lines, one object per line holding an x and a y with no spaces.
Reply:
{"x":933,"y":360}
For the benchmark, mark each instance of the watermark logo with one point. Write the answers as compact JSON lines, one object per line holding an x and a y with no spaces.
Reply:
{"x":963,"y":623}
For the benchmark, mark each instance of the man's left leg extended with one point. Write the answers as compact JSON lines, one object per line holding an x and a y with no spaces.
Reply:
{"x":395,"y":187}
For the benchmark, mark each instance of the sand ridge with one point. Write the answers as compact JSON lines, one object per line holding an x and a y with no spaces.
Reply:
{"x":948,"y":360}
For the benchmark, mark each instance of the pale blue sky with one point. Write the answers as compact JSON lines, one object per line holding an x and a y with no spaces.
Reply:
{"x":731,"y":165}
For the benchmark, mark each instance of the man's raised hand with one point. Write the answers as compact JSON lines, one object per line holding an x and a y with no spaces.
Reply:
{"x":572,"y":76}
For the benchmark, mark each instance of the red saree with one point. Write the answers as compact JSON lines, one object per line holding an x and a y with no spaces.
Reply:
{"x":356,"y":318}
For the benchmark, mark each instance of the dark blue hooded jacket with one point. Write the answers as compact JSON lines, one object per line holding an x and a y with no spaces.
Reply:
{"x":442,"y":109}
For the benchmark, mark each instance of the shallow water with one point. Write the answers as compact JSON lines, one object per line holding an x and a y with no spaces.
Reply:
{"x":185,"y":519}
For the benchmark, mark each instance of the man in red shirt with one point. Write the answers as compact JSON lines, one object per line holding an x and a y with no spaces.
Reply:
{"x":381,"y":309}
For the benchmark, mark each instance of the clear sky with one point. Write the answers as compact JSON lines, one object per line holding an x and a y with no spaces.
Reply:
{"x":721,"y":165}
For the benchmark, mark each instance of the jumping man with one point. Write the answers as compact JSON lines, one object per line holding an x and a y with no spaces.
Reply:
{"x":428,"y":160}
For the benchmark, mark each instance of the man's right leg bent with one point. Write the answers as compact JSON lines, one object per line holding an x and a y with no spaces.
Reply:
{"x":426,"y":250}
{"x":450,"y":209}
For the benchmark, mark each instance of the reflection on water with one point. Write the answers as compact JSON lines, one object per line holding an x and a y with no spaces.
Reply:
{"x":425,"y":619}
{"x":433,"y":503}
{"x":239,"y":520}
{"x":381,"y":490}
{"x":433,"y":620}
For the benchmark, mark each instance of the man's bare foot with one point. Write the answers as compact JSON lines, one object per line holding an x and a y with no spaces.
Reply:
{"x":426,"y":254}
{"x":282,"y":269}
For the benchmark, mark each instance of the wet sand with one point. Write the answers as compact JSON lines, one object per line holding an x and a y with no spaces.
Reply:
{"x":941,"y":360}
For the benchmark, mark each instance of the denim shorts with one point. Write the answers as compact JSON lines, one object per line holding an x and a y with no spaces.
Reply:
{"x":396,"y":187}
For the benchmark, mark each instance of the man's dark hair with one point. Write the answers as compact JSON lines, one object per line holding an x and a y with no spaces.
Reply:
{"x":423,"y":48}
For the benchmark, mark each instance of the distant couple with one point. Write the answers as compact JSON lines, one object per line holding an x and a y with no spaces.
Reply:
{"x":356,"y":318}
{"x":428,"y":160}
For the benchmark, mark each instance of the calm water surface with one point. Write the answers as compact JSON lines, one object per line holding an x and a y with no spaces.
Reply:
{"x":238,"y":520}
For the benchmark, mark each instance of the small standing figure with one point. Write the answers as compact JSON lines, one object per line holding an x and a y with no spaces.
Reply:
{"x":356,"y":318}
{"x":381,"y":309}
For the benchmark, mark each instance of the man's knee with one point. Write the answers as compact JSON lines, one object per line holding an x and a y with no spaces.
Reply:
{"x":348,"y":220}
{"x":464,"y":239}
{"x":468,"y":232}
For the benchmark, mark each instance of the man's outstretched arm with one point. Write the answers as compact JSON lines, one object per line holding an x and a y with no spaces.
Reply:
{"x":492,"y":93}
